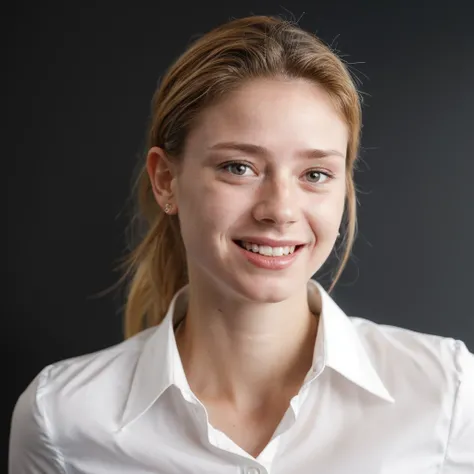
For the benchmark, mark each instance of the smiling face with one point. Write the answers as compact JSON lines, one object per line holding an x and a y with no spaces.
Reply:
{"x":264,"y":166}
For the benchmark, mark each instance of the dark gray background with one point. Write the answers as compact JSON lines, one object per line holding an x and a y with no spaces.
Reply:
{"x":79,"y":85}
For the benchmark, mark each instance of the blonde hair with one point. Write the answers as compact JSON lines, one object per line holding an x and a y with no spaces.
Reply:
{"x":216,"y":64}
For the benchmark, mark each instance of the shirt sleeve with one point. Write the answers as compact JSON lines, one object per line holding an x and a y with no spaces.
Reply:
{"x":460,"y":449}
{"x":31,"y":450}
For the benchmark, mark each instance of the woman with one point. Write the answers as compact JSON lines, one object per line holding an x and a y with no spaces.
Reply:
{"x":235,"y":359}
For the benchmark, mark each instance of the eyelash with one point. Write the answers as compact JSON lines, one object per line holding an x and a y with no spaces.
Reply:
{"x":234,"y":163}
{"x":224,"y":167}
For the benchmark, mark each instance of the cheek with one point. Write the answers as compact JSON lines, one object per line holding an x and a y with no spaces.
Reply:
{"x":326,"y":214}
{"x":208,"y":207}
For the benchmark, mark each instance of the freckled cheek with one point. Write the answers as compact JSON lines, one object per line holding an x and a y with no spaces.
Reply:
{"x":324,"y":217}
{"x":212,"y":207}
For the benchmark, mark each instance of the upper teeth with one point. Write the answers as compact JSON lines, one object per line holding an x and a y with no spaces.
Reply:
{"x":268,"y":251}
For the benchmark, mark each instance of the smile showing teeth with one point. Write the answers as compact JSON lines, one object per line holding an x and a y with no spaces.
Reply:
{"x":266,"y":250}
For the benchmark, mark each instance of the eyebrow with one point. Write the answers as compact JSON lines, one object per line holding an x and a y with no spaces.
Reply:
{"x":258,"y":150}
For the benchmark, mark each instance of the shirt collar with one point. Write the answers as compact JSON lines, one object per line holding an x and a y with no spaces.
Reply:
{"x":159,"y":365}
{"x":337,"y":346}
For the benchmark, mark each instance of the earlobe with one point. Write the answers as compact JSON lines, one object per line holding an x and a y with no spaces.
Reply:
{"x":160,"y":174}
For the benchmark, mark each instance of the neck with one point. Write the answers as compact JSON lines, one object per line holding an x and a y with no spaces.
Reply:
{"x":246,"y":355}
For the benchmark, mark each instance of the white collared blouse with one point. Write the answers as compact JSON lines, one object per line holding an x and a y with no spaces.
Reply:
{"x":377,"y":400}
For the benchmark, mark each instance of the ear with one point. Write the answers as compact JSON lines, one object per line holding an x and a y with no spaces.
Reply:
{"x":161,"y":173}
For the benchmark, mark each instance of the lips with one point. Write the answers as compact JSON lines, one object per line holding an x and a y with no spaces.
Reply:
{"x":266,"y":257}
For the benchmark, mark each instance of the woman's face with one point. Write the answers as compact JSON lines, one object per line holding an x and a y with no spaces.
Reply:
{"x":263,"y":172}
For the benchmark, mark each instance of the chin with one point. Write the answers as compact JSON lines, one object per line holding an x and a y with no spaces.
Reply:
{"x":265,"y":289}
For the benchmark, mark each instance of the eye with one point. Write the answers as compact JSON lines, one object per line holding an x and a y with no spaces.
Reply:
{"x":317,"y":176}
{"x":238,"y":168}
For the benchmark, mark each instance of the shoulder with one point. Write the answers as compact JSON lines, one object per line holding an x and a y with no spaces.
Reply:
{"x":410,"y":355}
{"x":75,"y":379}
{"x":432,"y":374}
{"x":75,"y":397}
{"x":100,"y":370}
{"x":412,"y":349}
{"x":407,"y":344}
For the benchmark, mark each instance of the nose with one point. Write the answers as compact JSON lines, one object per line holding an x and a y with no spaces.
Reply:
{"x":277,"y":201}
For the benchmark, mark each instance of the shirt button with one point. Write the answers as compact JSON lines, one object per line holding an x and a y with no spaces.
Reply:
{"x":253,"y":470}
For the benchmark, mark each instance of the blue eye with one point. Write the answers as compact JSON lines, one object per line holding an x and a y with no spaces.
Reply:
{"x":317,"y":176}
{"x":237,"y":168}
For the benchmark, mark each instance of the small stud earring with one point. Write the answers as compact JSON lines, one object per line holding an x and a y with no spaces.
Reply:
{"x":168,"y":208}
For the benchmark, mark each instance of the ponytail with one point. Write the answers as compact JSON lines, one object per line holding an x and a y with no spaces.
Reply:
{"x":157,"y":265}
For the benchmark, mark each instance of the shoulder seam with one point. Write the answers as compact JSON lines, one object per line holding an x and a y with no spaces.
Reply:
{"x":47,"y":426}
{"x":455,"y":404}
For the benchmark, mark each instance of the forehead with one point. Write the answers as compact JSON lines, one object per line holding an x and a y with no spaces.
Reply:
{"x":273,"y":113}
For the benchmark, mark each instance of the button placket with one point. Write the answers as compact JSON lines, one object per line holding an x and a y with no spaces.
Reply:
{"x":253,"y":470}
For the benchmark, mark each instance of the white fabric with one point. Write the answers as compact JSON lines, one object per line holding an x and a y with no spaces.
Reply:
{"x":378,"y":400}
